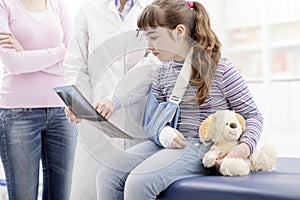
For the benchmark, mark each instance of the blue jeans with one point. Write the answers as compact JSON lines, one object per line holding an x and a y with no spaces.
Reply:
{"x":28,"y":136}
{"x":146,"y":169}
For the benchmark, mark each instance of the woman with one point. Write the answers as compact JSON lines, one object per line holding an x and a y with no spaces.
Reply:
{"x":33,"y":126}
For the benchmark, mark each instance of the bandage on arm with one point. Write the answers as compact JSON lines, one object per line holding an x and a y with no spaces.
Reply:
{"x":166,"y":136}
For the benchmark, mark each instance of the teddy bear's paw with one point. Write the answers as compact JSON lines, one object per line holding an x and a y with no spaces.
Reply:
{"x":234,"y":167}
{"x":208,"y":161}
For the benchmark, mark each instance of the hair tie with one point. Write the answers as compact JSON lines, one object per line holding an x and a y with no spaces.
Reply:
{"x":191,"y":4}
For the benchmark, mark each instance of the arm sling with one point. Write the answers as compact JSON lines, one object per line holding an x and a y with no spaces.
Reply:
{"x":158,"y":115}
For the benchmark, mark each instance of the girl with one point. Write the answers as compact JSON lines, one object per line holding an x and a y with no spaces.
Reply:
{"x":33,"y":125}
{"x":174,"y":152}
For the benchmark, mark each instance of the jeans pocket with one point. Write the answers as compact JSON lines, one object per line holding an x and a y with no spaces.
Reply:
{"x":13,"y":113}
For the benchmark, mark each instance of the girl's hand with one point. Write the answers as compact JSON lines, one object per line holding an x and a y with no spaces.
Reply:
{"x":242,"y":151}
{"x":7,"y":40}
{"x":105,"y":108}
{"x":179,"y":141}
{"x":71,"y":116}
{"x":171,"y":138}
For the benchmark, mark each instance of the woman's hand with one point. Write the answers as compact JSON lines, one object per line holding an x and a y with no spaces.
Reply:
{"x":242,"y":151}
{"x":105,"y":108}
{"x":7,"y":40}
{"x":71,"y":116}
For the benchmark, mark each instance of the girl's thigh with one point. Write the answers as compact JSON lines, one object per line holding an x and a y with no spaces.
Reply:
{"x":175,"y":163}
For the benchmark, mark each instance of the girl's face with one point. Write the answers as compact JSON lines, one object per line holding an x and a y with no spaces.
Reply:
{"x":165,"y":45}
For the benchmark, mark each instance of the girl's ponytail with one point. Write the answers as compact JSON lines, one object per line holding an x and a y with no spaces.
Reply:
{"x":203,"y":33}
{"x":207,"y":52}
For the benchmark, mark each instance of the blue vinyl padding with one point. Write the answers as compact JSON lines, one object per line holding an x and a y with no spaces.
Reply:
{"x":281,"y":184}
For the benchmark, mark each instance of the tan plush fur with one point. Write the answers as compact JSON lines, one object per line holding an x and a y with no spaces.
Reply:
{"x":224,"y":128}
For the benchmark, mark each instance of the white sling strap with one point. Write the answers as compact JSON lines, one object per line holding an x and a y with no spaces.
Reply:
{"x":159,"y":114}
{"x":183,"y":79}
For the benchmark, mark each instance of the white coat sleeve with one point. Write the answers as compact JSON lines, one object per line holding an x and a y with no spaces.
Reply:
{"x":135,"y":85}
{"x":76,"y":58}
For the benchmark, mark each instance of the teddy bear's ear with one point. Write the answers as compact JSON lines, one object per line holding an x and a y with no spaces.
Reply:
{"x":242,"y":121}
{"x":206,"y":130}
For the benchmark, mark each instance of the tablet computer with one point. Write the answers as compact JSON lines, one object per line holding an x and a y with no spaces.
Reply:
{"x":72,"y":97}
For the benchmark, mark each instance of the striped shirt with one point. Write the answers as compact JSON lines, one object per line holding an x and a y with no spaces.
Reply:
{"x":127,"y":7}
{"x":228,"y":91}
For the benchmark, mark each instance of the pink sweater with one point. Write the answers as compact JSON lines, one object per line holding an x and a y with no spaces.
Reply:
{"x":30,"y":75}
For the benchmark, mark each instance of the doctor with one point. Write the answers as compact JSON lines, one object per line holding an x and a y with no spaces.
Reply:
{"x":103,"y":48}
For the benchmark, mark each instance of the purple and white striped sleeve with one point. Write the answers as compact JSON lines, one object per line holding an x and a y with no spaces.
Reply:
{"x":240,"y":99}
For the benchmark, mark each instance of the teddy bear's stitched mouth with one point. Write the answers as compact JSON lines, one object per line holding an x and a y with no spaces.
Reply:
{"x":231,"y":133}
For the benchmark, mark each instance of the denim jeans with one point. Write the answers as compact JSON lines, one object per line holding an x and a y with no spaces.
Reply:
{"x":146,"y":169}
{"x":28,"y":136}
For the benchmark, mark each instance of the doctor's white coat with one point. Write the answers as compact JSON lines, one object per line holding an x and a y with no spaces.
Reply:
{"x":102,"y":49}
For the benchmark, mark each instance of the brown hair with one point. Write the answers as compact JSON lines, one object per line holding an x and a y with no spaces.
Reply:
{"x":207,"y":47}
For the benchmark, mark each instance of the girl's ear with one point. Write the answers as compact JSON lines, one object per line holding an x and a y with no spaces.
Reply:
{"x":180,"y":30}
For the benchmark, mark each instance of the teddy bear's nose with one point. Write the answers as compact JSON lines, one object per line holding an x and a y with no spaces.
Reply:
{"x":232,"y":125}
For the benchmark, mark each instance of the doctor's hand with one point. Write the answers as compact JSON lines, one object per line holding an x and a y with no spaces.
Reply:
{"x":71,"y":116}
{"x":171,"y":138}
{"x":105,"y":108}
{"x":241,"y":150}
{"x":8,"y":40}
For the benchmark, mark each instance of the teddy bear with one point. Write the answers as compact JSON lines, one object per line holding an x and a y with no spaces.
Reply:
{"x":223,"y":129}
